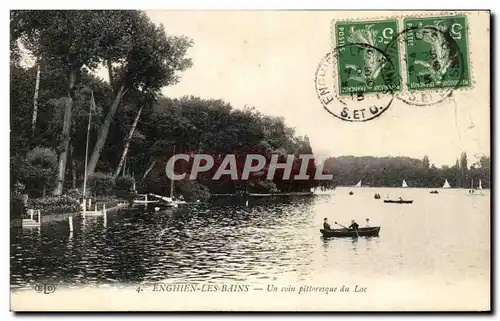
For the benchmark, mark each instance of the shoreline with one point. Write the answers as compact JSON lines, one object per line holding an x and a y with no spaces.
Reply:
{"x":263,"y":194}
{"x":61,"y":217}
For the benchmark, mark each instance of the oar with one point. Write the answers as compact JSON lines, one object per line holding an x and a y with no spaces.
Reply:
{"x":341,"y":225}
{"x":348,"y":228}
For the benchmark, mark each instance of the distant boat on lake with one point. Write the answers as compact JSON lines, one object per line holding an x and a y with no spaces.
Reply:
{"x":400,"y":201}
{"x":404,"y":184}
{"x":446,"y":184}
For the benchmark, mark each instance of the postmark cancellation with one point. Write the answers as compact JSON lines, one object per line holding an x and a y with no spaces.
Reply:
{"x":419,"y":60}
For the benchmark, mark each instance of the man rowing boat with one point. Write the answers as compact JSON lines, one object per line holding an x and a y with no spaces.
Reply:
{"x":326,"y":226}
{"x":354,"y":226}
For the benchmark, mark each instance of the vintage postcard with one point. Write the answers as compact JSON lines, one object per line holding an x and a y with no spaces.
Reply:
{"x":250,"y":160}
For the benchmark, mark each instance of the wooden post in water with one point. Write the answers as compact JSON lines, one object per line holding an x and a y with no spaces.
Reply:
{"x":31,"y":213}
{"x":39,"y":217}
{"x":90,"y":203}
{"x":71,"y":224}
{"x":105,"y":221}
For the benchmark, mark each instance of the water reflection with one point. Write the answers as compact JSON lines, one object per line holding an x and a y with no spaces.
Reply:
{"x":264,"y":241}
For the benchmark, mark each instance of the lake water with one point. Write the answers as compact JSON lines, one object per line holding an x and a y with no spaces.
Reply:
{"x":443,"y":237}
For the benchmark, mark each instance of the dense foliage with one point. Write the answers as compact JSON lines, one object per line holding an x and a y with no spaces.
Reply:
{"x":67,"y":44}
{"x":391,"y":171}
{"x":55,"y":205}
{"x":199,"y":126}
{"x":133,"y":129}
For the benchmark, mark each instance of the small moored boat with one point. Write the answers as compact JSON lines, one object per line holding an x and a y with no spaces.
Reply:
{"x":363,"y":231}
{"x":398,"y":201}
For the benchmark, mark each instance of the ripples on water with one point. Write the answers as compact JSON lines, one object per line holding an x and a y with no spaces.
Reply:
{"x":445,"y":235}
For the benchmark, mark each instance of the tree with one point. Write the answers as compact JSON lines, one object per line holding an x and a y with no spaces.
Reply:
{"x":426,"y":162}
{"x":41,"y":168}
{"x":463,"y":168}
{"x":152,"y":61}
{"x":127,"y":144}
{"x":463,"y":160}
{"x":485,"y":162}
{"x":68,"y":40}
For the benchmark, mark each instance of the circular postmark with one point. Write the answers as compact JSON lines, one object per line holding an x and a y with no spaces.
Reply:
{"x":435,"y":65}
{"x":352,"y":93}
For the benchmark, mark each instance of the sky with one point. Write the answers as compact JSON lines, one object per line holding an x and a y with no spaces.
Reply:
{"x":268,"y":59}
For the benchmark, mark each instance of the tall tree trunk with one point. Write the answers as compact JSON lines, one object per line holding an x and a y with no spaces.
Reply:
{"x":73,"y":167}
{"x":124,"y":167}
{"x":127,"y":144}
{"x":110,"y":74}
{"x":35,"y":100}
{"x":63,"y":155}
{"x":103,"y":132}
{"x":148,"y":170}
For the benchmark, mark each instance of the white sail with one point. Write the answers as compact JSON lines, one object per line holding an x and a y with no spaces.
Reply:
{"x":404,"y":184}
{"x":358,"y":185}
{"x":446,"y":184}
{"x":480,"y":186}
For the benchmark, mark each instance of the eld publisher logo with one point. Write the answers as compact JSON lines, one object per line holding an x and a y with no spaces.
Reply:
{"x":45,"y":288}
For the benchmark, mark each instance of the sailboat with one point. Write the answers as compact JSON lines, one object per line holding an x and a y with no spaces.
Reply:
{"x":358,"y":184}
{"x":404,"y":184}
{"x":446,"y":184}
{"x":169,"y":201}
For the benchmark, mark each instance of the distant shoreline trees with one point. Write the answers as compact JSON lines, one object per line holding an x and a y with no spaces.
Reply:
{"x":391,"y":171}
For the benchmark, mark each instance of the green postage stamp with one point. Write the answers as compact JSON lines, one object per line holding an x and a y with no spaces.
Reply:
{"x":369,"y":55}
{"x":363,"y":64}
{"x":436,"y":52}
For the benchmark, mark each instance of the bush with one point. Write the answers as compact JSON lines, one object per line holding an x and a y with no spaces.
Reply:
{"x":75,"y":193}
{"x":264,"y":186}
{"x":42,"y":157}
{"x":124,"y":188}
{"x":192,"y":191}
{"x":37,"y":171}
{"x":100,"y":184}
{"x":124,"y":184}
{"x":55,"y":204}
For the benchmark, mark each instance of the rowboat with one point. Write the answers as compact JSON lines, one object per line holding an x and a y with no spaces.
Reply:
{"x":362,"y":231}
{"x":398,"y":201}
